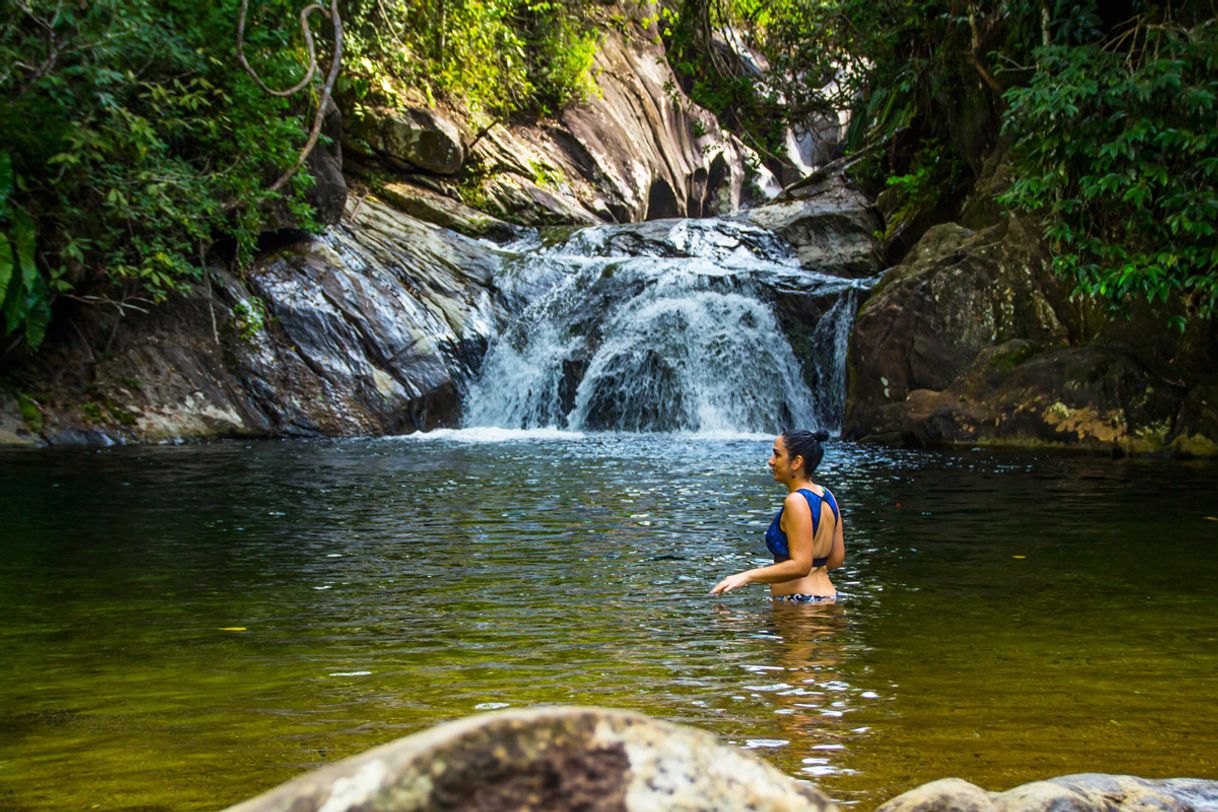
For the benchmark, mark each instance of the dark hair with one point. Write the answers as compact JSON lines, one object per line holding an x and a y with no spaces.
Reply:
{"x":806,"y":444}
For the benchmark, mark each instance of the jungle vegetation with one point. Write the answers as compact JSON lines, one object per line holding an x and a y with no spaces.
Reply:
{"x":1105,"y":111}
{"x":133,"y":142}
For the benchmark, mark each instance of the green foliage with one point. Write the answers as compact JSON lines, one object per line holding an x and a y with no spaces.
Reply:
{"x":1111,"y":113}
{"x":500,"y":57}
{"x":932,"y":169}
{"x":31,"y":413}
{"x":1115,"y":147}
{"x":131,"y":143}
{"x":249,"y":318}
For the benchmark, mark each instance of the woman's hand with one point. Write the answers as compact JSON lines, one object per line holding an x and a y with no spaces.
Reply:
{"x":732,"y":582}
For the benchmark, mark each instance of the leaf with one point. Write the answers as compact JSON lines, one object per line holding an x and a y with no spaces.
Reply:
{"x":6,"y":265}
{"x":38,"y":318}
{"x":6,"y":183}
{"x":24,"y":235}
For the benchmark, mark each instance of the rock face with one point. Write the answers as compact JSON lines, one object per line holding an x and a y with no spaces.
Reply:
{"x":555,"y":759}
{"x":369,"y":330}
{"x":1086,"y":792}
{"x":638,"y":150}
{"x":828,"y":222}
{"x":972,"y":340}
{"x":409,"y":139}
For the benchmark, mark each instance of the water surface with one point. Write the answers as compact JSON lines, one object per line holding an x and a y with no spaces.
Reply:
{"x":186,"y":627}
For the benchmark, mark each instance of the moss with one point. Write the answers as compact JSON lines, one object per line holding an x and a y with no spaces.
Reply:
{"x":92,"y":411}
{"x":30,"y":412}
{"x":1006,"y":361}
{"x":554,"y":235}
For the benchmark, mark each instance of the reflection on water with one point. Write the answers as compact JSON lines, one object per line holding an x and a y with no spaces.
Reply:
{"x":185,"y":627}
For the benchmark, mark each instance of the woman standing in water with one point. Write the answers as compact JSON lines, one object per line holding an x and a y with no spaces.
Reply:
{"x":806,"y":536}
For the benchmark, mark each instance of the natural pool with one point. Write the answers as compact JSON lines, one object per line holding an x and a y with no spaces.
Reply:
{"x":184,"y":627}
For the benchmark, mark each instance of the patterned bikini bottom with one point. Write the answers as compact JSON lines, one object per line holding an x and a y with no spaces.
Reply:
{"x":799,"y":597}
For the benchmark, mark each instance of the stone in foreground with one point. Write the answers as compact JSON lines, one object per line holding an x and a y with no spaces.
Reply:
{"x":1085,"y":792}
{"x":558,"y":759}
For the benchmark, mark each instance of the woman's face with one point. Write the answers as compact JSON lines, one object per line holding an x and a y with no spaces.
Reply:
{"x":779,"y":464}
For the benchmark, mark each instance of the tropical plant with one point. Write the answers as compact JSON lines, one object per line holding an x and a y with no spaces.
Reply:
{"x":1115,"y":148}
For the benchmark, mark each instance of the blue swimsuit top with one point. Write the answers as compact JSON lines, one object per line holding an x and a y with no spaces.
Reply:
{"x":776,"y":540}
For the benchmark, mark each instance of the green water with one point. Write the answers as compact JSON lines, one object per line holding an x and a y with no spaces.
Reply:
{"x":387,"y":586}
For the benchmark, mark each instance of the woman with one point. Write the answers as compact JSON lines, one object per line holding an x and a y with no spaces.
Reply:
{"x":806,"y":536}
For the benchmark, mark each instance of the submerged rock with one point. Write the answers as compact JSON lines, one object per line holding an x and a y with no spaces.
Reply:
{"x":555,"y":759}
{"x":1085,"y":792}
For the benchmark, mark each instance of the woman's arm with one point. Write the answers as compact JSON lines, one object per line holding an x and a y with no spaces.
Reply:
{"x":837,"y":555}
{"x":797,"y":524}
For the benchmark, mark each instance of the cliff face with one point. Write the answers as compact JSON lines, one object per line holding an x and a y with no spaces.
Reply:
{"x":639,"y":150}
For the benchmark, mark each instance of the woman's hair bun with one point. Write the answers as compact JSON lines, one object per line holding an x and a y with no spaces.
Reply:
{"x":821,"y":435}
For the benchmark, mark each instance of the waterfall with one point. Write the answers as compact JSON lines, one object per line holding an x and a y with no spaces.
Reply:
{"x":664,"y":326}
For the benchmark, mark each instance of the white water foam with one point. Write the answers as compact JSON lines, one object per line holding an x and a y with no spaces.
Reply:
{"x":487,"y":434}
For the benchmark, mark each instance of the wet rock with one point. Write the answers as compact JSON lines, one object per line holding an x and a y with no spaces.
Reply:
{"x":555,"y":759}
{"x":830,"y":225}
{"x":1085,"y":792}
{"x":370,"y":330}
{"x":433,"y":207}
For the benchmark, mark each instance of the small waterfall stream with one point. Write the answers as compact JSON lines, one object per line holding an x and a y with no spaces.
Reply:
{"x":665,"y":326}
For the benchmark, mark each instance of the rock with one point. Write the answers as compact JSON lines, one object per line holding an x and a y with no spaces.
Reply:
{"x":639,"y":150}
{"x":1196,"y":430}
{"x":370,"y":330}
{"x":1020,"y":394}
{"x":14,"y":426}
{"x":409,"y":138}
{"x":432,"y":207}
{"x":830,"y":225}
{"x":958,"y":293}
{"x":1085,"y":792}
{"x":328,"y":194}
{"x":944,"y":795}
{"x":971,"y":341}
{"x":555,"y":759}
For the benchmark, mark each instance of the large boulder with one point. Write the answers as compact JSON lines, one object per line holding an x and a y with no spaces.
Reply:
{"x":828,"y":222}
{"x":554,"y":759}
{"x":370,"y":330}
{"x":959,"y":292}
{"x":972,"y":340}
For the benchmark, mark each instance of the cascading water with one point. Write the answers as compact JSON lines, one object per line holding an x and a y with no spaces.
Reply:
{"x":666,"y":326}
